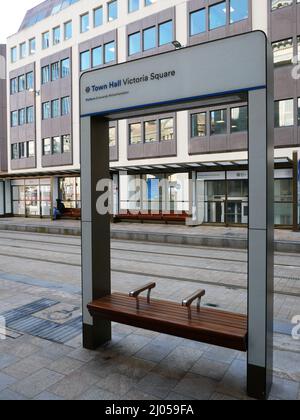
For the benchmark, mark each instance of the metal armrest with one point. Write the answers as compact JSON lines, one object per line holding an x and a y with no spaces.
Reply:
{"x":136,"y":293}
{"x":188,"y":301}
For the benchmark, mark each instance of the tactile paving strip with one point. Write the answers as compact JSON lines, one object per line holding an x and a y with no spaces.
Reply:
{"x":23,"y":320}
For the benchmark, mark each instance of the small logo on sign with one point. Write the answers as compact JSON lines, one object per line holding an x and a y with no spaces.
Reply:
{"x":87,"y":90}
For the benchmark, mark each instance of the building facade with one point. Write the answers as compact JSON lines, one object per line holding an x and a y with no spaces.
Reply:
{"x":200,"y":155}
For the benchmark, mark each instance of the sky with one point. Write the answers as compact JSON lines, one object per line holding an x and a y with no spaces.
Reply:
{"x":11,"y":16}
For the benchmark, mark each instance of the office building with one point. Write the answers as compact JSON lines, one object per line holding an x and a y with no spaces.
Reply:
{"x":202,"y":154}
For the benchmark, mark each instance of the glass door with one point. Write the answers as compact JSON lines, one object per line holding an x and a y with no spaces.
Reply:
{"x":32,"y":202}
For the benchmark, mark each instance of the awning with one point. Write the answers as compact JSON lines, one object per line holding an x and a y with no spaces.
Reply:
{"x":199,"y":166}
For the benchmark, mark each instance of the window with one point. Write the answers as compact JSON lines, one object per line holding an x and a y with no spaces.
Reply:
{"x":66,"y":140}
{"x":65,"y":106}
{"x":13,"y":86}
{"x":56,"y":145}
{"x":98,"y":17}
{"x":55,"y":111}
{"x":278,"y":4}
{"x":84,"y":60}
{"x":149,"y":2}
{"x":13,"y":54}
{"x":29,"y":115}
{"x":110,"y":52}
{"x":45,"y":74}
{"x":166,"y":128}
{"x":32,"y":46}
{"x":30,"y":149}
{"x":54,"y":71}
{"x":197,"y":22}
{"x":70,"y":191}
{"x":22,"y":116}
{"x":46,"y":110}
{"x":217,"y":15}
{"x":283,"y":52}
{"x":47,"y":147}
{"x":21,"y":83}
{"x":22,"y":150}
{"x":68,"y":30}
{"x":218,"y":122}
{"x":84,"y":23}
{"x":165,"y":33}
{"x":30,"y":81}
{"x":112,"y":9}
{"x":15,"y":151}
{"x":133,"y":5}
{"x":23,"y":50}
{"x":150,"y":131}
{"x":149,"y":38}
{"x":56,"y":35}
{"x":298,"y":113}
{"x":97,"y":56}
{"x":45,"y":40}
{"x":112,"y":136}
{"x":199,"y":125}
{"x":14,"y":118}
{"x":284,"y":113}
{"x":239,"y":119}
{"x":134,"y":42}
{"x":135,"y":133}
{"x":65,"y":68}
{"x":239,"y":10}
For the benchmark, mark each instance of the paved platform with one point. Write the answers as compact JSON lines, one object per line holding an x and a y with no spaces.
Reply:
{"x":40,"y":295}
{"x":232,"y":237}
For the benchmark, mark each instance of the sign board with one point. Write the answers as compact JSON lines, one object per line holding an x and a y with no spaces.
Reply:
{"x":166,"y":77}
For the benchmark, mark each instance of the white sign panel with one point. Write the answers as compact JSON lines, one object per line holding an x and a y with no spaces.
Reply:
{"x":222,"y":67}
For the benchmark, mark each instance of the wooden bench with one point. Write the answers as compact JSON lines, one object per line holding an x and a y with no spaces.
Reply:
{"x":207,"y":325}
{"x":171,"y":217}
{"x":71,"y":214}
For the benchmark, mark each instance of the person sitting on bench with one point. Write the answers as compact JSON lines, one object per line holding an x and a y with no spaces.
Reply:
{"x":59,"y":210}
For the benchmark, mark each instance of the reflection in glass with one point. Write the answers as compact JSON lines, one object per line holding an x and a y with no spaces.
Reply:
{"x":150,"y":131}
{"x":135,"y":133}
{"x":199,"y":125}
{"x":218,"y":121}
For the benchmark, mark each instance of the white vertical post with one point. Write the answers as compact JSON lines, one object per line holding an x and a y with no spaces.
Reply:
{"x":261,"y":238}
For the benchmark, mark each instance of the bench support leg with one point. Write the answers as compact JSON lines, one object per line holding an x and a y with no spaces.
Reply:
{"x":96,"y":266}
{"x":261,"y":238}
{"x":97,"y":334}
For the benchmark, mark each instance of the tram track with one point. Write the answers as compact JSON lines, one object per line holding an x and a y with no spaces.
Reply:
{"x":228,"y":285}
{"x":148,"y":252}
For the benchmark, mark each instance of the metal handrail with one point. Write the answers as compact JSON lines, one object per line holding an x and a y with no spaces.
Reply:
{"x":136,"y":293}
{"x":188,"y":301}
